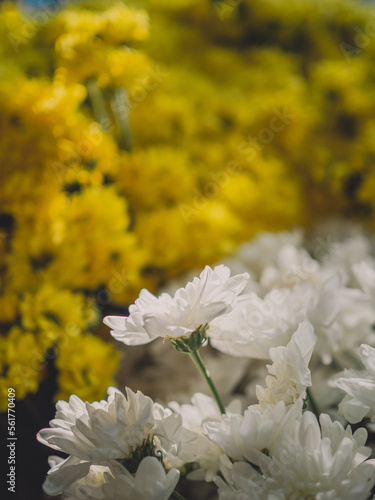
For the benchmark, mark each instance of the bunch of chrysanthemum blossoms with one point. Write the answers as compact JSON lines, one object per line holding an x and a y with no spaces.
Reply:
{"x":310,"y":317}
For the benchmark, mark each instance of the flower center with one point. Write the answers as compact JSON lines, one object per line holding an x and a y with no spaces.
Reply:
{"x":147,"y":449}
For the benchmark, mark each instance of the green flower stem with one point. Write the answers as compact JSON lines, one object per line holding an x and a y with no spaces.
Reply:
{"x":121,"y":110}
{"x":177,"y":496}
{"x":203,"y":370}
{"x":99,"y":107}
{"x":312,"y":403}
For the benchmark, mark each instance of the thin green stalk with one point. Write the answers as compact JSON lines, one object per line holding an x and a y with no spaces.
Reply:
{"x":99,"y":107}
{"x":121,"y":111}
{"x":203,"y":370}
{"x":177,"y":496}
{"x":312,"y":403}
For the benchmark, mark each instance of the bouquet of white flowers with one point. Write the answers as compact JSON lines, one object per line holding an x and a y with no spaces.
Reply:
{"x":310,"y":316}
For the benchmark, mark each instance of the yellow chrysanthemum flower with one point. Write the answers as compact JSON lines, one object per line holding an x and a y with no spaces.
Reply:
{"x":86,"y":366}
{"x":21,"y":362}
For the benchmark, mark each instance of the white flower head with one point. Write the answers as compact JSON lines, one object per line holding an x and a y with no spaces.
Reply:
{"x":113,"y":481}
{"x":193,"y":307}
{"x":258,"y":324}
{"x":289,"y":372}
{"x":150,"y":482}
{"x":194,"y":446}
{"x":359,"y":386}
{"x":63,"y":473}
{"x":344,"y":256}
{"x":123,"y":428}
{"x":323,"y":462}
{"x":252,"y":436}
{"x":326,"y":463}
{"x":243,"y":482}
{"x":364,"y":273}
{"x":101,"y":430}
{"x":252,"y":327}
{"x":263,"y":251}
{"x":342,"y":319}
{"x":76,"y":486}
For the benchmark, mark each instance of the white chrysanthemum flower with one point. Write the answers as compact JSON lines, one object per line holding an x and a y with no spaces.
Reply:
{"x":205,"y":298}
{"x":194,"y":446}
{"x":360,"y":388}
{"x":150,"y":482}
{"x":243,"y":482}
{"x":121,"y":428}
{"x":364,"y":273}
{"x":353,"y":325}
{"x":251,"y":436}
{"x":256,"y":325}
{"x":263,"y":251}
{"x":326,"y":463}
{"x":278,"y":260}
{"x":106,"y":429}
{"x":342,"y":319}
{"x":114,"y":482}
{"x":344,"y":256}
{"x":252,"y":328}
{"x":309,"y":462}
{"x":64,"y":473}
{"x":87,"y":486}
{"x":293,"y":266}
{"x":289,"y":372}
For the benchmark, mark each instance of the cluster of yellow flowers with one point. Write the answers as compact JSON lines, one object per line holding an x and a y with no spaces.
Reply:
{"x":312,"y":60}
{"x":129,"y":157}
{"x":65,"y":244}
